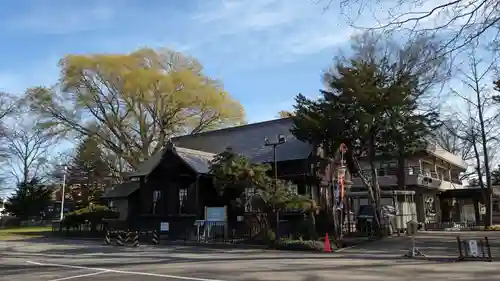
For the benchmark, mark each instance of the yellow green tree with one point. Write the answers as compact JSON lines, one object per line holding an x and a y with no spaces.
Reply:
{"x":285,"y":114}
{"x":133,"y":103}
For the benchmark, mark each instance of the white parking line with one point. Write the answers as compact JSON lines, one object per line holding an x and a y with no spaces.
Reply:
{"x":79,"y":276}
{"x":103,"y":270}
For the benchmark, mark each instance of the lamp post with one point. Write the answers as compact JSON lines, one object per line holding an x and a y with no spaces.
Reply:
{"x":63,"y":192}
{"x":281,"y":139}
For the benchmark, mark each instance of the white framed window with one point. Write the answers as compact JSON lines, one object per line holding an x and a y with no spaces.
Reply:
{"x":156,"y":195}
{"x":183,"y":192}
{"x":156,"y":198}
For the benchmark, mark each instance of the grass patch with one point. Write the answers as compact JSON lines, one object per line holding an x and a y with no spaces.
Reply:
{"x":20,"y":233}
{"x":492,"y":228}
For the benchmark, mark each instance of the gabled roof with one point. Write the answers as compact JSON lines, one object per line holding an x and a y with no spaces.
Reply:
{"x":199,"y":161}
{"x":121,"y":190}
{"x":198,"y":150}
{"x":248,"y":140}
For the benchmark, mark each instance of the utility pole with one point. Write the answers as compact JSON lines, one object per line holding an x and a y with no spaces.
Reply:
{"x":281,"y":139}
{"x":63,"y":193}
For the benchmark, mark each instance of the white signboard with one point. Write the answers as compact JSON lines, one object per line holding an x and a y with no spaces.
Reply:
{"x":215,"y":214}
{"x":473,"y":249}
{"x":164,"y":226}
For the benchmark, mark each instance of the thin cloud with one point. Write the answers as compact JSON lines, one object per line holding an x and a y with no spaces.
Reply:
{"x":246,"y":33}
{"x":275,"y":31}
{"x":66,"y":17}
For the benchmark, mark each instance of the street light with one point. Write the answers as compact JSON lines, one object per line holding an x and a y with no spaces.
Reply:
{"x":280,"y":139}
{"x":63,"y":191}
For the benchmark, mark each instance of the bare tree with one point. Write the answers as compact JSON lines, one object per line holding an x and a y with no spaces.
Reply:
{"x":458,"y":22}
{"x":27,"y":151}
{"x":455,"y":136}
{"x":449,"y":137}
{"x":7,"y":108}
{"x":479,"y":123}
{"x":7,"y":105}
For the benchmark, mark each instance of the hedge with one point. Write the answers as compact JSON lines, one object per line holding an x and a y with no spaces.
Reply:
{"x":93,"y":215}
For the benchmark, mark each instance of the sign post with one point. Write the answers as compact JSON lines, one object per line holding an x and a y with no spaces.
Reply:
{"x":474,"y":250}
{"x":215,"y":216}
{"x":412,"y":228}
{"x":164,"y":227}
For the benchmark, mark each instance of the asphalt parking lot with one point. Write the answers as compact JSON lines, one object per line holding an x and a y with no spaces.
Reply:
{"x":56,"y":260}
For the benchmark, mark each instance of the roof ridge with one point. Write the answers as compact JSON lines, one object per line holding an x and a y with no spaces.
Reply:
{"x":199,"y":152}
{"x":233,"y":128}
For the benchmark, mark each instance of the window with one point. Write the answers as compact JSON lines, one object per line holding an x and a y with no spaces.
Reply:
{"x":112,"y":206}
{"x":496,"y":206}
{"x":387,"y":168}
{"x":410,"y":171}
{"x":182,"y":199}
{"x":156,"y":195}
{"x":427,"y":172}
{"x":294,"y":189}
{"x":156,"y":198}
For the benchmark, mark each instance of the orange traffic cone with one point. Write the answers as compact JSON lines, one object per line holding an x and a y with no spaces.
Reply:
{"x":327,"y":248}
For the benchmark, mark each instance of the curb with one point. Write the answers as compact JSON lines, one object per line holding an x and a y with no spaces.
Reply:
{"x":164,"y":243}
{"x":214,"y":245}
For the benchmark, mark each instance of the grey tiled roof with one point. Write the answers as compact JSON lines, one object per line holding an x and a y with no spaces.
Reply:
{"x":148,"y":165}
{"x":249,"y":141}
{"x":198,"y":150}
{"x":121,"y":190}
{"x":199,"y":161}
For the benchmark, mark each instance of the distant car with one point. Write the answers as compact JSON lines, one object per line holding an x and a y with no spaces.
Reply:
{"x":366,"y":216}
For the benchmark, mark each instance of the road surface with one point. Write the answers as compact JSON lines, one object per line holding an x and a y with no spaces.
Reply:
{"x":52,"y":260}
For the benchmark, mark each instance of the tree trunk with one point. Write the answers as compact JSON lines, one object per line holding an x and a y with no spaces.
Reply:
{"x":479,"y":172}
{"x":374,"y":184}
{"x":401,"y":168}
{"x":312,"y":225}
{"x":336,"y":223}
{"x":477,"y":215}
{"x":369,"y":186}
{"x":488,"y":197}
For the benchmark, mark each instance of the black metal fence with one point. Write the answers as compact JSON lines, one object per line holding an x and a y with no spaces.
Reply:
{"x":250,"y":230}
{"x":451,"y":226}
{"x":83,"y":230}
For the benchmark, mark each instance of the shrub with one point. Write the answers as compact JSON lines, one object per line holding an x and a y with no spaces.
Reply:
{"x":270,"y":236}
{"x":9,"y":221}
{"x":93,"y":215}
{"x":493,"y":228}
{"x":300,"y":245}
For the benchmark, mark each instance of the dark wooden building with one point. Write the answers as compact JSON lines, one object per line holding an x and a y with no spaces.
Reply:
{"x":175,"y":185}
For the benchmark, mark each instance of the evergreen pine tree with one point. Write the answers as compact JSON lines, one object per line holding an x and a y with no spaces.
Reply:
{"x":87,"y":173}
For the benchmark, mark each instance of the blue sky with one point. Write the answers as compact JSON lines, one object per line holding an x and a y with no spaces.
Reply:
{"x":265,"y":51}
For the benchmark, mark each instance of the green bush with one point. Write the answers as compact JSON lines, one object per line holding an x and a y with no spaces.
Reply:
{"x":270,"y":236}
{"x":93,"y":215}
{"x":493,"y":228}
{"x":300,"y":245}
